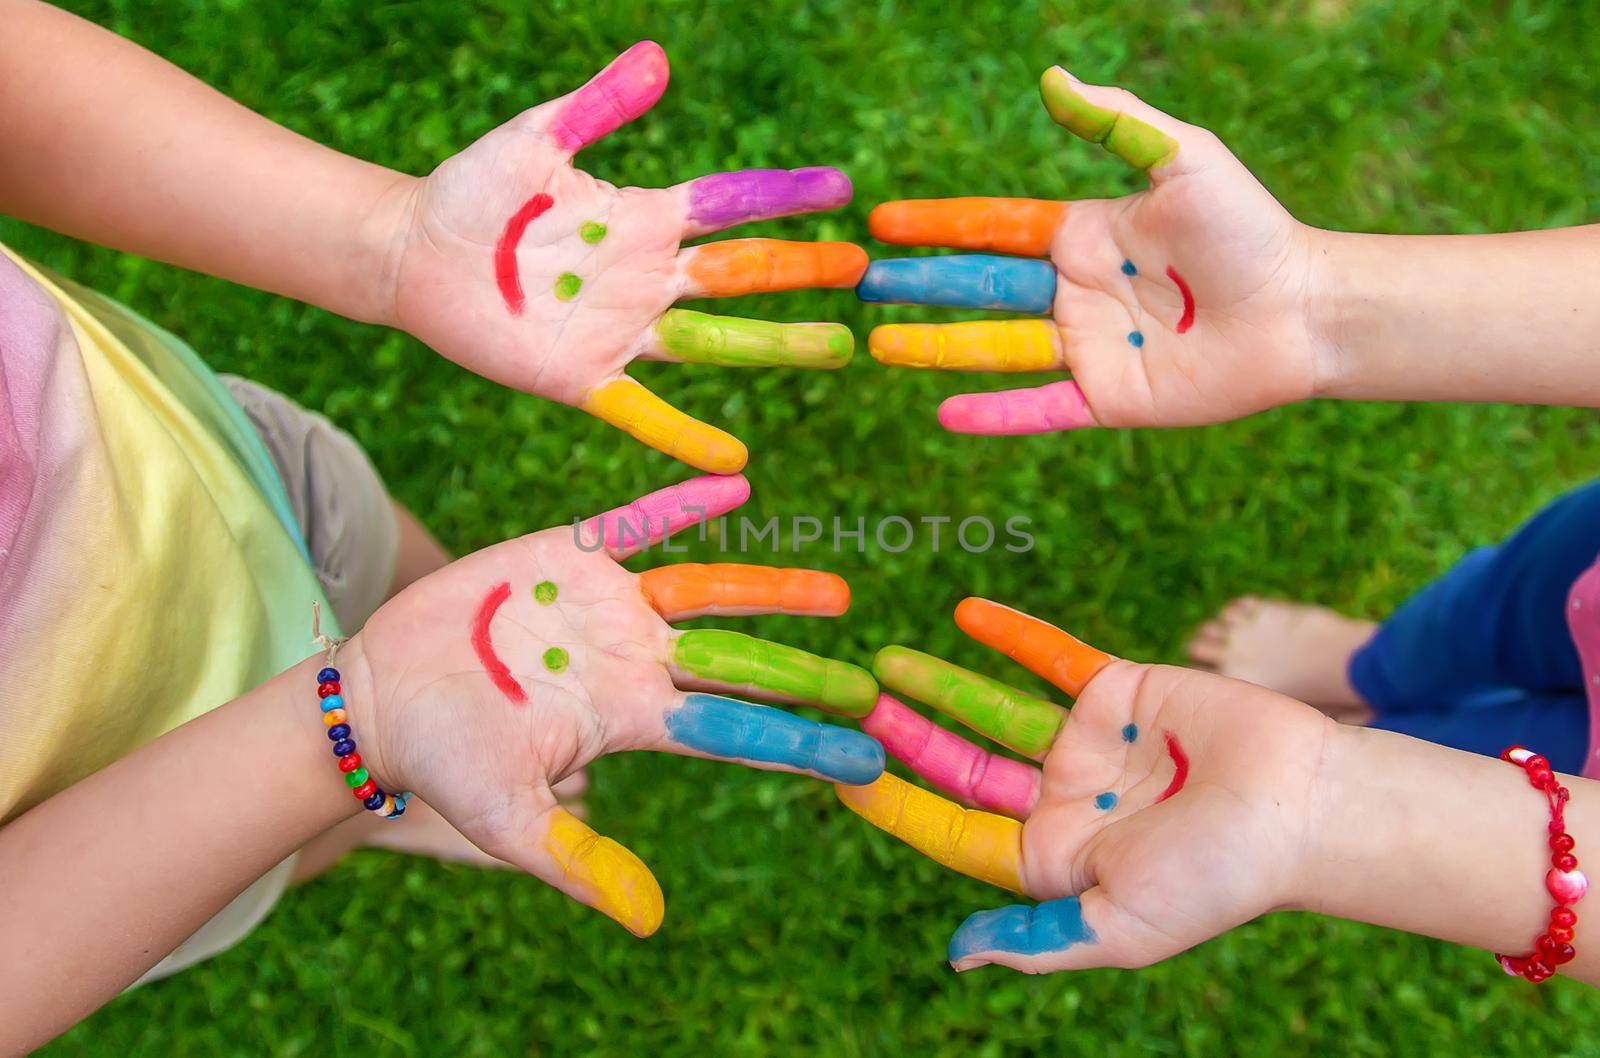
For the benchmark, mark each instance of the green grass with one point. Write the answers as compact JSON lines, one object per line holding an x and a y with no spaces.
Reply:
{"x":792,"y":927}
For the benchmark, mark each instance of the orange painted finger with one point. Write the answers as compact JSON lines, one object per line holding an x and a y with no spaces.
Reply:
{"x":1038,"y":646}
{"x":1002,"y":225}
{"x":752,"y":266}
{"x":687,"y":590}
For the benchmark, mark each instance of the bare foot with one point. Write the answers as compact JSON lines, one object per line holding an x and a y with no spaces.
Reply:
{"x":1294,"y":649}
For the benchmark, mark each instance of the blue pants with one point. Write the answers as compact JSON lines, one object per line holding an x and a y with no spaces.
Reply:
{"x":1481,"y":658}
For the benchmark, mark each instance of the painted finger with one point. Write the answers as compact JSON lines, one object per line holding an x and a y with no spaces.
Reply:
{"x":1111,"y":117}
{"x":1024,"y":226}
{"x":634,"y":410}
{"x":968,"y":281}
{"x":655,"y":516}
{"x":1043,"y":409}
{"x":689,"y":337}
{"x":995,"y":710}
{"x":612,"y":98}
{"x":709,"y":725}
{"x":1072,"y":933}
{"x":754,"y":266}
{"x":951,"y":763}
{"x":979,"y":345}
{"x":688,"y":590}
{"x":723,"y":200}
{"x":713,"y":659}
{"x":978,"y":844}
{"x":1038,"y":646}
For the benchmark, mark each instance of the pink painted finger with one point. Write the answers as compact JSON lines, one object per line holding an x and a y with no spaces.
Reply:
{"x":951,"y":763}
{"x":1045,"y":409}
{"x":652,"y":518}
{"x":722,"y":200}
{"x":615,"y":96}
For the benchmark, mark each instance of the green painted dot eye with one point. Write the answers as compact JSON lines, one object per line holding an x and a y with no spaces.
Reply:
{"x":567,"y":286}
{"x":591,"y":231}
{"x":545,"y":592}
{"x":555,"y":659}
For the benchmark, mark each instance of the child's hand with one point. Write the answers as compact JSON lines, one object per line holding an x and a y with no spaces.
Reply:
{"x":520,"y":267}
{"x":486,"y":683}
{"x":1171,"y":805}
{"x":1180,"y":305}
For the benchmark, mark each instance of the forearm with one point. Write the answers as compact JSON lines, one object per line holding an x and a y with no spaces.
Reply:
{"x":1509,"y":318}
{"x":1453,"y":845}
{"x":101,"y":881}
{"x":102,"y":140}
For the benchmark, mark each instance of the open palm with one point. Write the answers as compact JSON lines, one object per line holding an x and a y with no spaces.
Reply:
{"x":526,"y":269}
{"x":1171,"y":805}
{"x":1182,"y":304}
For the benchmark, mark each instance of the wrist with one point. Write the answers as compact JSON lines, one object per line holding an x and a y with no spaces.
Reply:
{"x":363,"y":715}
{"x":1335,"y":309}
{"x":379,"y":234}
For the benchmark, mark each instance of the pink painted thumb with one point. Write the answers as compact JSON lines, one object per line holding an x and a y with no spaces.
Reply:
{"x":616,"y":95}
{"x":652,"y":518}
{"x":950,"y":762}
{"x":1057,"y":406}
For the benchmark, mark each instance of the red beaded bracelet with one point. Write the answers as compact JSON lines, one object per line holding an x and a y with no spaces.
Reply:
{"x":1566,"y":883}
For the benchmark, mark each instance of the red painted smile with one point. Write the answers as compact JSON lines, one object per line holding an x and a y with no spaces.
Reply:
{"x":1180,"y":762}
{"x":505,"y":251}
{"x":498,"y":672}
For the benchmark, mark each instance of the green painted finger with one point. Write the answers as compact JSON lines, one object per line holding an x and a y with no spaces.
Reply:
{"x":1138,"y":143}
{"x":740,"y":661}
{"x":991,"y":708}
{"x":727,"y":341}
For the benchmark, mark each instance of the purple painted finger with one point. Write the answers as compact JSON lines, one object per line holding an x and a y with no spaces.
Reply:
{"x":722,"y":200}
{"x":1057,"y":406}
{"x":951,"y":763}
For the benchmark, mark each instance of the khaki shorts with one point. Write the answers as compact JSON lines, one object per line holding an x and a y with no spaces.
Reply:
{"x":348,"y":524}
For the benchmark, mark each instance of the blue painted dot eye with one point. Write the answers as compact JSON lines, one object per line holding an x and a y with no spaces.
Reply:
{"x":1106,"y":801}
{"x":1130,"y":732}
{"x":1128,"y":269}
{"x":1135,"y":339}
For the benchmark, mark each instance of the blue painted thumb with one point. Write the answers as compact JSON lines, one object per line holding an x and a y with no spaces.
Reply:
{"x":1030,"y":939}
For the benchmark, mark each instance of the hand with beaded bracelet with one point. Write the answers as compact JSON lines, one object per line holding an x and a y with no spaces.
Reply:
{"x":1167,"y":806}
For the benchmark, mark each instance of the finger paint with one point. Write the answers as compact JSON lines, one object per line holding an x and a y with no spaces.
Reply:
{"x":978,"y":844}
{"x":746,"y":266}
{"x":555,"y":659}
{"x":991,"y":708}
{"x":545,"y":592}
{"x":950,"y":762}
{"x":1130,"y":732}
{"x":1056,"y":406}
{"x":626,"y":88}
{"x":657,"y":515}
{"x":691,"y":589}
{"x":505,"y":251}
{"x":998,"y":225}
{"x":727,"y":341}
{"x":738,"y":660}
{"x":740,"y":731}
{"x":725,"y":199}
{"x":1052,"y":926}
{"x":483,"y":645}
{"x":1128,"y":269}
{"x":567,"y":286}
{"x":972,"y":281}
{"x":1187,"y":319}
{"x":1106,"y":801}
{"x":978,"y":345}
{"x":1136,"y":142}
{"x":1180,"y":766}
{"x":639,"y":413}
{"x":1038,"y":646}
{"x":1136,"y":339}
{"x":607,"y":876}
{"x":591,"y":231}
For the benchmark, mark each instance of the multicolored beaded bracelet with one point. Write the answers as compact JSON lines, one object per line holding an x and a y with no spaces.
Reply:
{"x":372,"y":797}
{"x":1566,"y":883}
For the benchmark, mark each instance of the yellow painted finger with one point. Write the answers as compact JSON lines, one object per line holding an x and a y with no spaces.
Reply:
{"x":633,"y":409}
{"x":981,"y":845}
{"x":604,"y":875}
{"x":979,"y":345}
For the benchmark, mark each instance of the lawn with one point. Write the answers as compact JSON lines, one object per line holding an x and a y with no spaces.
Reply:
{"x":792,"y":927}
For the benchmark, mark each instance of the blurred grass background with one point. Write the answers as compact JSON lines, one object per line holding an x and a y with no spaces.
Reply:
{"x":792,"y":927}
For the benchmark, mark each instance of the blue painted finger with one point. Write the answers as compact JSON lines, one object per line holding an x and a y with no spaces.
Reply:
{"x":1047,"y":929}
{"x":734,"y":730}
{"x":969,"y":281}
